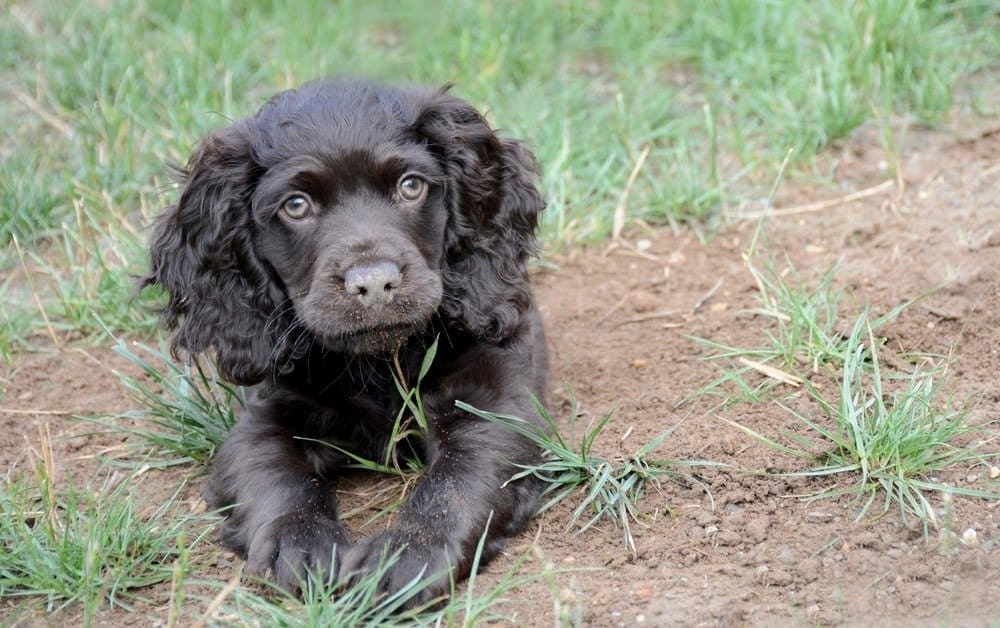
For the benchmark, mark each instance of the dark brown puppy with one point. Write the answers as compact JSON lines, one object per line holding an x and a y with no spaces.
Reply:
{"x":345,"y":223}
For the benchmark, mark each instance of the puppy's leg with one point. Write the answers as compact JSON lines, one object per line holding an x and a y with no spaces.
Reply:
{"x":281,"y":510}
{"x":465,"y":488}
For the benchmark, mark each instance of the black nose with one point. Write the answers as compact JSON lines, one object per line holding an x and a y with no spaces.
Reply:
{"x":373,"y":284}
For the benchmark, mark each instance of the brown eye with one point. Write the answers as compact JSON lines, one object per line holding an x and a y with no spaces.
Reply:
{"x":296,"y":207}
{"x":411,"y":188}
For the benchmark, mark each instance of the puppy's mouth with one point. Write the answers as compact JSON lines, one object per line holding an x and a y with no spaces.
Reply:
{"x":362,"y":332}
{"x":383,"y":339}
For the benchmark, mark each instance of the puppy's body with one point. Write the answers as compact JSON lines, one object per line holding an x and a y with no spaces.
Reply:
{"x":345,"y":228}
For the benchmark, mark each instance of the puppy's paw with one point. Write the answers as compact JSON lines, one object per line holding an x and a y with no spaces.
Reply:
{"x":289,"y":548}
{"x":408,"y":558}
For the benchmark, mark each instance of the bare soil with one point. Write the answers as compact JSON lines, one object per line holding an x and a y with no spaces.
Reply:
{"x":742,"y":547}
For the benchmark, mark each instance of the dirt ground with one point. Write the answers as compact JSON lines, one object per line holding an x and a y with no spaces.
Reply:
{"x":747,"y":550}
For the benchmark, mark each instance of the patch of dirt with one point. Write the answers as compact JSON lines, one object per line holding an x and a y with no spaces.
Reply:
{"x":742,"y":548}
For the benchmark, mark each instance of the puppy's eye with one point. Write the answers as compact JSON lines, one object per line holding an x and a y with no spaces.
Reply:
{"x":296,"y":207}
{"x":411,"y":188}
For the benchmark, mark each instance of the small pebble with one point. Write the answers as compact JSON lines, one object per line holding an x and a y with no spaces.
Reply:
{"x":970,"y":538}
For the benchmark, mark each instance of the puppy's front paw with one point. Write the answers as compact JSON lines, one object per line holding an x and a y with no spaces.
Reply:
{"x":408,"y":558}
{"x":286,"y":549}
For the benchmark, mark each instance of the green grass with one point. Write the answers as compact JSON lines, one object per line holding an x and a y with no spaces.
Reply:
{"x":89,"y":546}
{"x":893,"y":443}
{"x":806,"y":333}
{"x":607,"y":489}
{"x":98,"y":96}
{"x":185,"y":411}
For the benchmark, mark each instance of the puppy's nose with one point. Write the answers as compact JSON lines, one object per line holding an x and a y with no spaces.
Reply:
{"x":373,"y":284}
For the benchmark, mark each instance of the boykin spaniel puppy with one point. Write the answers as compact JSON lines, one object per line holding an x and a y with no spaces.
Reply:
{"x":319,"y":248}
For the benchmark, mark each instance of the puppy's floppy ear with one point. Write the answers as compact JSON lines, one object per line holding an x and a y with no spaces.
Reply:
{"x":202,"y":253}
{"x":494,"y":206}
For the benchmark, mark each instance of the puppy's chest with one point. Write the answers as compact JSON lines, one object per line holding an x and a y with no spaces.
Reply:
{"x":365,"y":405}
{"x":364,"y":420}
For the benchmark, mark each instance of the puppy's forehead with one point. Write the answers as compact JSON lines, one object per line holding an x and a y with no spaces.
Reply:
{"x":341,"y":115}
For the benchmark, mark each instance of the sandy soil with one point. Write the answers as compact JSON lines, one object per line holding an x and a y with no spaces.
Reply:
{"x":747,"y":549}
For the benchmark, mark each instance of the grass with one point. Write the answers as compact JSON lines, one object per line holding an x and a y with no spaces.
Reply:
{"x":185,"y":411}
{"x":411,"y":420}
{"x":608,"y":489}
{"x":91,"y":546}
{"x":894,"y":443}
{"x":806,"y":335}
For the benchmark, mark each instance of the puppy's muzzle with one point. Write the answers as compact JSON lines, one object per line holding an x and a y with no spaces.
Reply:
{"x":373,"y":284}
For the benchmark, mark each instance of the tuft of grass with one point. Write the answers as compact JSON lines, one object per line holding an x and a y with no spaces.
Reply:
{"x":403,"y":428}
{"x":609,"y":488}
{"x":805,"y":320}
{"x":91,"y":546}
{"x":187,"y":410}
{"x":806,"y":333}
{"x":894,"y":442}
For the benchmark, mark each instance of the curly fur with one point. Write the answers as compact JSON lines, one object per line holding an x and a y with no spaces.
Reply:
{"x":268,"y":294}
{"x":221,"y":296}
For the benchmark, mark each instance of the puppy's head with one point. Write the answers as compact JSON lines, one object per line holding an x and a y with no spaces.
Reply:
{"x":346,"y":214}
